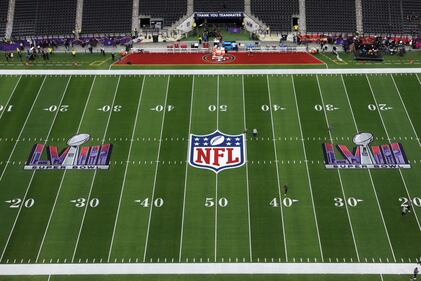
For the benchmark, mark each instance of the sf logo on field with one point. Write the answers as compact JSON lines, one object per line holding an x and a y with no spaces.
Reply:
{"x":217,"y":151}
{"x":73,"y":157}
{"x":366,"y":156}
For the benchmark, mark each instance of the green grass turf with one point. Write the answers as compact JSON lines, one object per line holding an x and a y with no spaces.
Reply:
{"x":248,"y":228}
{"x":97,"y":61}
{"x":209,"y":278}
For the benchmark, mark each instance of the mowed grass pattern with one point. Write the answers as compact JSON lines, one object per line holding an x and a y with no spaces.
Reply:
{"x":150,"y":206}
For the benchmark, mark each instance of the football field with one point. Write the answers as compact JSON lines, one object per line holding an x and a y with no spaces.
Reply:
{"x":152,"y":206}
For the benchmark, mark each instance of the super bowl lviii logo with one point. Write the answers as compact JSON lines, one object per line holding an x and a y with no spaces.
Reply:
{"x":72,"y":157}
{"x":217,"y":151}
{"x":366,"y":156}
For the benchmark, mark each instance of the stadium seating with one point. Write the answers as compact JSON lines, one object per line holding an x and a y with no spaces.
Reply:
{"x":107,"y":16}
{"x":169,"y":10}
{"x":382,"y":16}
{"x":4,"y":4}
{"x":218,"y":6}
{"x":330,"y":16}
{"x":411,"y":16}
{"x":44,"y":17}
{"x":275,"y":13}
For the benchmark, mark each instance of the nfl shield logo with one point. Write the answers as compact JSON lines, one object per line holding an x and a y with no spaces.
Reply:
{"x":217,"y":151}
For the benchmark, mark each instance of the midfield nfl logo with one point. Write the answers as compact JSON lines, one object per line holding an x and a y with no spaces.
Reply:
{"x":217,"y":151}
{"x":72,"y":157}
{"x":364,"y":156}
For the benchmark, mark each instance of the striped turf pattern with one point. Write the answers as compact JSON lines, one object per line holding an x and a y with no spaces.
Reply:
{"x":149,"y":162}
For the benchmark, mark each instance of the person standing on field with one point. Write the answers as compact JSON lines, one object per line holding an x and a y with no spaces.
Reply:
{"x":255,"y":132}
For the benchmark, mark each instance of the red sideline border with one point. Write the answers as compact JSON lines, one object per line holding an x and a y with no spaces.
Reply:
{"x":239,"y":58}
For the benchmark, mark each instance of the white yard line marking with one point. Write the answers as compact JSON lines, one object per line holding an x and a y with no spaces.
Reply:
{"x":406,"y":111}
{"x":62,"y":178}
{"x":247,"y":170}
{"x":415,"y":133}
{"x":277,"y":167}
{"x":33,"y":173}
{"x":339,"y":173}
{"x":216,"y":174}
{"x":186,"y":174}
{"x":93,"y":178}
{"x":10,"y":97}
{"x":369,"y":173}
{"x":206,"y":268}
{"x":23,"y":127}
{"x":308,"y":172}
{"x":125,"y":171}
{"x":156,"y":170}
{"x":387,"y":134}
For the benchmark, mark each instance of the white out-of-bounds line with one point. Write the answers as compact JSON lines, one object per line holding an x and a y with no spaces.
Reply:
{"x":285,"y":71}
{"x":93,"y":178}
{"x":207,"y":268}
{"x":127,"y":167}
{"x":63,"y":176}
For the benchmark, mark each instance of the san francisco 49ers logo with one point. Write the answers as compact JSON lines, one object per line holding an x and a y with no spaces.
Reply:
{"x":217,"y":151}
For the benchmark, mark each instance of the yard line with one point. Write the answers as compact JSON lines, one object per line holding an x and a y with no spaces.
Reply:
{"x":10,"y":97}
{"x":339,"y":173}
{"x":247,"y":168}
{"x":277,"y":168}
{"x":93,"y":179}
{"x":387,"y":134}
{"x":156,"y":169}
{"x":216,"y":174}
{"x":23,"y":127}
{"x":125,"y":172}
{"x":33,"y":173}
{"x":308,"y":172}
{"x":64,"y":174}
{"x":406,"y":111}
{"x":369,"y":172}
{"x":186,"y":174}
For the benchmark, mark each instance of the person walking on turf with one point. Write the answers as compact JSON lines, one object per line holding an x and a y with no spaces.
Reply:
{"x":285,"y":189}
{"x":416,"y":271}
{"x":255,"y":132}
{"x":404,"y":210}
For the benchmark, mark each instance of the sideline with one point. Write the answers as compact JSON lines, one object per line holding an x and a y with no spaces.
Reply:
{"x":207,"y":268}
{"x":211,"y":71}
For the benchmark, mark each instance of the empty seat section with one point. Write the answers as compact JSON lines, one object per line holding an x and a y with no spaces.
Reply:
{"x":411,"y":16}
{"x":218,"y":6}
{"x":107,"y":16}
{"x":4,"y":4}
{"x":330,"y":16}
{"x":44,"y":17}
{"x":277,"y":14}
{"x":169,"y":10}
{"x":56,"y":17}
{"x":382,"y":16}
